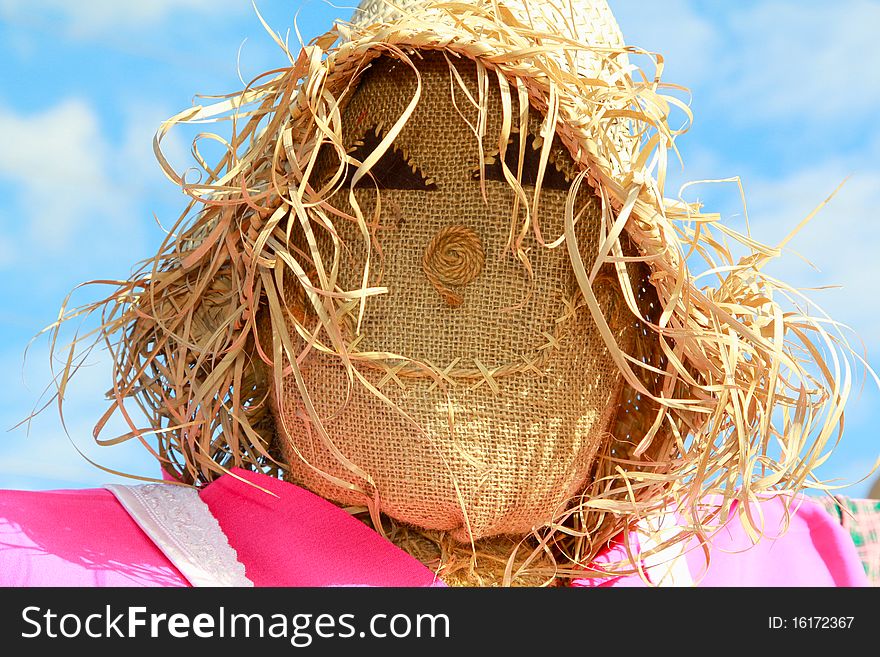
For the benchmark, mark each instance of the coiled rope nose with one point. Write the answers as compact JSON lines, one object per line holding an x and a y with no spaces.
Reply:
{"x":453,"y":258}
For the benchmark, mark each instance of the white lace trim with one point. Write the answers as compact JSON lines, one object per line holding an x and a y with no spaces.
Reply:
{"x":186,"y":532}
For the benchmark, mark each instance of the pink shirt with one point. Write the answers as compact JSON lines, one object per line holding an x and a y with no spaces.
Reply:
{"x":291,"y":537}
{"x":814,"y":551}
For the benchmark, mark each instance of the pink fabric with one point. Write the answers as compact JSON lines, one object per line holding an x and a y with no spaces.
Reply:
{"x":814,"y":551}
{"x":86,"y":538}
{"x":300,"y":539}
{"x":615,"y":553}
{"x":76,"y":538}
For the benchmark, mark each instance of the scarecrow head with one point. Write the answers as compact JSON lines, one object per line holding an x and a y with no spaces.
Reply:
{"x":436,"y":277}
{"x":478,"y":390}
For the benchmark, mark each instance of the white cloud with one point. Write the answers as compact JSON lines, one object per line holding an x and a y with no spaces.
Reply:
{"x":790,"y":60}
{"x":841,"y":241}
{"x":67,"y":183}
{"x":766,"y":61}
{"x":135,"y":156}
{"x":58,"y":160}
{"x":84,"y":19}
{"x":60,"y":143}
{"x":673,"y":29}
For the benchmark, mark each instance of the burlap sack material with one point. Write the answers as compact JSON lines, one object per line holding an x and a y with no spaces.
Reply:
{"x":528,"y":388}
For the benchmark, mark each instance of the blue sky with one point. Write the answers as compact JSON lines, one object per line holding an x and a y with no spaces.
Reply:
{"x":784,"y":95}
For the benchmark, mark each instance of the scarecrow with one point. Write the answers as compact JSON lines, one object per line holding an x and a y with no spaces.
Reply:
{"x":433,"y":303}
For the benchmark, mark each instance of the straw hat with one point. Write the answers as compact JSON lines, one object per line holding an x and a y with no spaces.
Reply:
{"x":436,"y":277}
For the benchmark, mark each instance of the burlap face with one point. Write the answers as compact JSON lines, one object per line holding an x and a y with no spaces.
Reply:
{"x":503,"y":437}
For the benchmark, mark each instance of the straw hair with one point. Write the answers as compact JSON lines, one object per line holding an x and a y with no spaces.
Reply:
{"x":735,"y":391}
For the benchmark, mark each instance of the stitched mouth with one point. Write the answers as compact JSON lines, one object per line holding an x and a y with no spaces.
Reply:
{"x":476,"y":370}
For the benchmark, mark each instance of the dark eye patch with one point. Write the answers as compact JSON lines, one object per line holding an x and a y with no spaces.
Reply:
{"x":554,"y":178}
{"x":393,"y":170}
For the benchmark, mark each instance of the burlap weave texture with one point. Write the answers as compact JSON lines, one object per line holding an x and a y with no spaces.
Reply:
{"x":508,"y":435}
